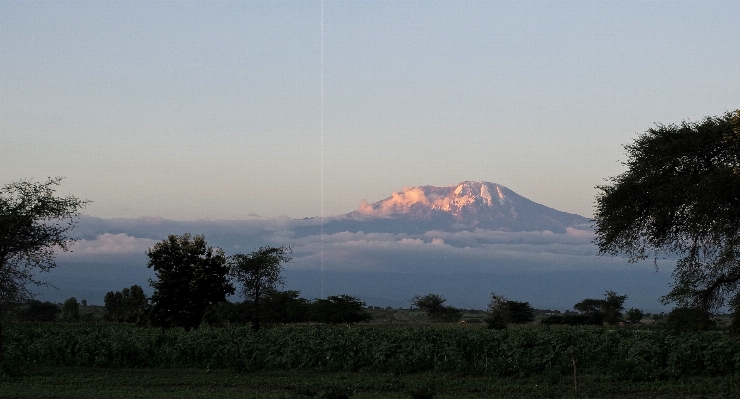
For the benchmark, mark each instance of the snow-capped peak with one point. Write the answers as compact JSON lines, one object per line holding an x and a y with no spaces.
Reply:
{"x":467,"y":196}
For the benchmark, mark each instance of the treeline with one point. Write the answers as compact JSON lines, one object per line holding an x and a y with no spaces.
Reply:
{"x":276,"y":307}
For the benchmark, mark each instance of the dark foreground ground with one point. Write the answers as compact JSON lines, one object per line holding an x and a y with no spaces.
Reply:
{"x":67,"y":382}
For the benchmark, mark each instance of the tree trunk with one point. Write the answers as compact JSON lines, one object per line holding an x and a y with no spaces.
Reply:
{"x":256,"y":318}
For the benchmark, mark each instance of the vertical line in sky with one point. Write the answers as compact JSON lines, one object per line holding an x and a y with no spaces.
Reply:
{"x":322,"y":149}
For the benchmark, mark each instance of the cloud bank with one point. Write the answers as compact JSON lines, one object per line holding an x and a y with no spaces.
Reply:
{"x":450,"y":262}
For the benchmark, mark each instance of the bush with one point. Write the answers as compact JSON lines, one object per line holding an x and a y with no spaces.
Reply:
{"x":71,"y":310}
{"x":39,"y":311}
{"x":689,"y":319}
{"x":634,"y":316}
{"x":593,"y":319}
{"x":342,"y":309}
{"x":222,"y":314}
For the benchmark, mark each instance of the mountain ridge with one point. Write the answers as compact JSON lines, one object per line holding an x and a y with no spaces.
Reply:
{"x":463,"y":206}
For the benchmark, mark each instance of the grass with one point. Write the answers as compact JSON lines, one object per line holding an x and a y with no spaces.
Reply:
{"x":67,"y":382}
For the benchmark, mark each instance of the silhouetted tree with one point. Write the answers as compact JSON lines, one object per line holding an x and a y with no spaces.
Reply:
{"x":259,"y":273}
{"x":433,"y":305}
{"x":680,"y":195}
{"x":223,"y":314}
{"x":689,"y":319}
{"x":342,"y":309}
{"x":503,"y":311}
{"x":34,"y":224}
{"x":634,"y":316}
{"x":608,"y":309}
{"x":125,"y":306}
{"x":36,"y":310}
{"x":71,"y":310}
{"x":286,"y":307}
{"x":190,"y":277}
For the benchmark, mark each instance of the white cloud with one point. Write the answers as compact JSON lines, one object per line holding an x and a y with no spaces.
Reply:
{"x":113,"y":244}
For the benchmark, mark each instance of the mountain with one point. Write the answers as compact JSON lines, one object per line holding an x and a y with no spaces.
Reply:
{"x":465,"y":206}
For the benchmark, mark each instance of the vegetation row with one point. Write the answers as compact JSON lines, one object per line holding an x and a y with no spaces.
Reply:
{"x":625,"y":354}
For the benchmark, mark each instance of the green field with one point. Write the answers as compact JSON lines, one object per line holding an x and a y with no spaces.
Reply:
{"x":111,"y":360}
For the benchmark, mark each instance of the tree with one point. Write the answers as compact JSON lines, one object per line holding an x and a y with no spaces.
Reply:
{"x":259,"y":273}
{"x":432,"y":304}
{"x":223,"y":314}
{"x":634,"y":315}
{"x":342,"y":309}
{"x":503,"y":311}
{"x":190,"y":277}
{"x":680,"y":197}
{"x":286,"y":307}
{"x":125,"y":306}
{"x":608,"y":309}
{"x":71,"y":310}
{"x":40,"y":311}
{"x":689,"y":319}
{"x":34,"y":223}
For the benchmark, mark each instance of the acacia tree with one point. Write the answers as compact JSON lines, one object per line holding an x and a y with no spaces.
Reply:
{"x":680,"y":196}
{"x":259,"y":273}
{"x":608,"y":309}
{"x":339,"y":309}
{"x":34,"y":223}
{"x":503,"y":311}
{"x":433,"y":304}
{"x":190,"y":277}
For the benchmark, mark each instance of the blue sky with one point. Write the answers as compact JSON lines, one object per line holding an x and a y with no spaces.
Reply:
{"x":213,"y":110}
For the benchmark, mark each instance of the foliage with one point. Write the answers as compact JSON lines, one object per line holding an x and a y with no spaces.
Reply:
{"x":680,"y":196}
{"x":71,"y":310}
{"x":222,"y":314}
{"x":33,"y":224}
{"x":635,"y":354}
{"x":503,"y":311}
{"x":342,"y":309}
{"x":286,"y":307}
{"x":610,"y":308}
{"x":190,"y":277}
{"x":259,"y":273}
{"x":38,"y":311}
{"x":433,"y":305}
{"x":125,"y":306}
{"x":634,"y":316}
{"x":689,"y":319}
{"x":571,"y":319}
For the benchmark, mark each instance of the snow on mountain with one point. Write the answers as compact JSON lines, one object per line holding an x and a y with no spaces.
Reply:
{"x":470,"y":204}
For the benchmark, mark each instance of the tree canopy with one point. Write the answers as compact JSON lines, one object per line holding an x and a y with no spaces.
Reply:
{"x":125,"y":306}
{"x":503,"y":311}
{"x":436,"y":310}
{"x":680,"y":196}
{"x":34,"y":222}
{"x":259,"y":273}
{"x":339,"y":309}
{"x":608,"y":309}
{"x":190,"y":277}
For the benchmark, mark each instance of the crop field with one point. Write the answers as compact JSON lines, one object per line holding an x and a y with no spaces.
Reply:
{"x":623,"y":354}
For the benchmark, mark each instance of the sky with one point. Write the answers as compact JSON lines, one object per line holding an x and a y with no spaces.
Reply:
{"x":231,"y":110}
